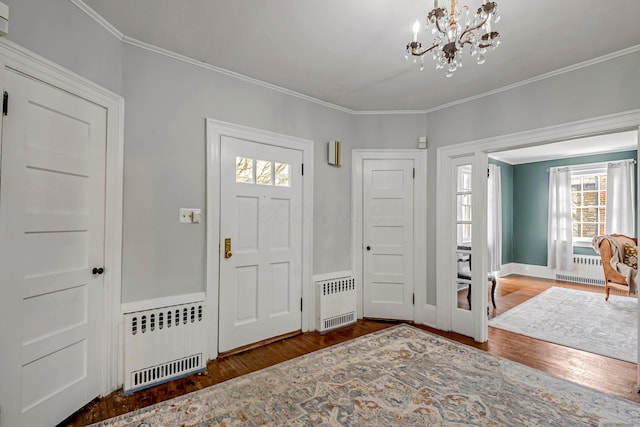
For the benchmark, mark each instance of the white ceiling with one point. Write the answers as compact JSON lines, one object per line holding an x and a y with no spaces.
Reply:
{"x":610,"y":143}
{"x":350,"y":53}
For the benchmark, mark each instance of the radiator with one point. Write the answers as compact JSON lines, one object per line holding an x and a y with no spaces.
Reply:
{"x":163,"y":344}
{"x":335,"y":303}
{"x":586,"y":269}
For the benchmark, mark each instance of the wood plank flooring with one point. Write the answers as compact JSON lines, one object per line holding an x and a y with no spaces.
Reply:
{"x":601,"y":373}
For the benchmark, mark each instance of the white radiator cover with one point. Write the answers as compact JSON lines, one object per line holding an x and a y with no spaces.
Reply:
{"x":163,"y":344}
{"x":336,"y":303}
{"x":586,"y":269}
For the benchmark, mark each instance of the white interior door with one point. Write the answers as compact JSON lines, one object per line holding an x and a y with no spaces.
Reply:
{"x":52,"y":193}
{"x":461,"y":239}
{"x":388,"y":287}
{"x":261,"y":213}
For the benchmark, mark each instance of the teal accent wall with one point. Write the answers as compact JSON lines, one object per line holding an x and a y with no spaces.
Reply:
{"x":506,"y":184}
{"x":531,"y":204}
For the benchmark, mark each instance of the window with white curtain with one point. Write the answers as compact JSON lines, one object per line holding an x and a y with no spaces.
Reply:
{"x":588,"y":203}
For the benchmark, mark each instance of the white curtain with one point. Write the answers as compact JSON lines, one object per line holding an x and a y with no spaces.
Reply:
{"x":620,"y":206}
{"x":494,"y":219}
{"x":560,"y":233}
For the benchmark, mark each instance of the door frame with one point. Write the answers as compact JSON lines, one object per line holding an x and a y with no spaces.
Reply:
{"x":215,"y":130}
{"x":480,"y":149}
{"x":422,"y":312}
{"x":23,"y":61}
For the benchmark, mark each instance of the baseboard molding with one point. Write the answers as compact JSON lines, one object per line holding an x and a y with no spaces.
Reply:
{"x":541,"y":271}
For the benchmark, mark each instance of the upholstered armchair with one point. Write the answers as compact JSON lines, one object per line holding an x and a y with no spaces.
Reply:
{"x":620,"y":271}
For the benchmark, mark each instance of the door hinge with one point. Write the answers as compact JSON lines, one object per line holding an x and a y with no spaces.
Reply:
{"x":414,"y":299}
{"x":300,"y":304}
{"x":5,"y":103}
{"x":302,"y":169}
{"x":414,"y":173}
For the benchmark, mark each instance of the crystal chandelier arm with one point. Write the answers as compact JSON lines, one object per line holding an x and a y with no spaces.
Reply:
{"x":413,"y":48}
{"x":470,"y":29}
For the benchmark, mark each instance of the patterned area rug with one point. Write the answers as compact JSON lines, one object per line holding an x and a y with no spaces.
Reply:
{"x":578,"y":319}
{"x":401,"y":376}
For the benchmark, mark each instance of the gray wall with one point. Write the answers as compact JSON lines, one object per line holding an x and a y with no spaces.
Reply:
{"x":384,"y":131}
{"x":167,"y":102}
{"x":62,"y":33}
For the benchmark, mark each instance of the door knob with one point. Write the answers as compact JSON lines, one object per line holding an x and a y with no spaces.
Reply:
{"x":368,"y":248}
{"x":227,"y":248}
{"x":97,"y":270}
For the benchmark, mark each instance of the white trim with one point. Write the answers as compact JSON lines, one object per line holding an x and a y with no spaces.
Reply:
{"x":150,"y":304}
{"x":126,"y":39}
{"x":628,"y":120}
{"x":137,"y":43}
{"x":214,"y":131}
{"x":386,"y":112}
{"x":98,"y":18}
{"x":422,"y":313}
{"x":21,"y":60}
{"x":541,"y":271}
{"x":328,"y":276}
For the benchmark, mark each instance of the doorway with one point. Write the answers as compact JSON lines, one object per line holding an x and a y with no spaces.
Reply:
{"x":260,"y":197}
{"x":480,"y":150}
{"x":389,"y":233}
{"x":60,"y":220}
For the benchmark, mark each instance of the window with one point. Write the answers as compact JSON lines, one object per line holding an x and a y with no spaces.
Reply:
{"x":264,"y":172}
{"x":463,"y":201}
{"x":588,"y":201}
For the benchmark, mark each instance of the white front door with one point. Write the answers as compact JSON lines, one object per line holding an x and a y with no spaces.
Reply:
{"x":388,"y":287}
{"x":52,"y":195}
{"x":261,"y":263}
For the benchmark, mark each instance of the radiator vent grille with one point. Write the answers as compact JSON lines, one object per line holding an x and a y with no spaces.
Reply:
{"x":163,"y":344}
{"x":586,"y":269}
{"x":335,"y":303}
{"x":167,"y":370}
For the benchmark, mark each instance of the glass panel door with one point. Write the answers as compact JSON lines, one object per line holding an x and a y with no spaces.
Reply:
{"x":463,"y":236}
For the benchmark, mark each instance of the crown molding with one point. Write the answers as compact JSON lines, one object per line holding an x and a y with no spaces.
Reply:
{"x":137,"y":43}
{"x":544,"y":76}
{"x":99,"y":19}
{"x":134,"y":42}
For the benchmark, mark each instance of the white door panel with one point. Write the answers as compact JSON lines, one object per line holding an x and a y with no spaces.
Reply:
{"x":388,"y":239}
{"x":52,"y":224}
{"x":261,"y":282}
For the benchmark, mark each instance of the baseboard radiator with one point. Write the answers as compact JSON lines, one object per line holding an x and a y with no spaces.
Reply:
{"x":335,"y":303}
{"x":163,"y":344}
{"x":586,"y":269}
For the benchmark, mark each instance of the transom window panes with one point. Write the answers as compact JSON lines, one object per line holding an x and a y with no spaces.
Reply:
{"x":244,"y":170}
{"x":588,"y":200}
{"x":263,"y":172}
{"x":282,"y":174}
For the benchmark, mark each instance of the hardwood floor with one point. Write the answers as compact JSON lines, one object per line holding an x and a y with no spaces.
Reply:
{"x":601,"y":373}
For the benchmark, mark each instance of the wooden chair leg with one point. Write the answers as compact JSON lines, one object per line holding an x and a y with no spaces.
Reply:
{"x":493,"y":291}
{"x":606,"y":292}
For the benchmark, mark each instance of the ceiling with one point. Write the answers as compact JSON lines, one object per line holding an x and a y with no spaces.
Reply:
{"x":610,"y":143}
{"x":350,"y":53}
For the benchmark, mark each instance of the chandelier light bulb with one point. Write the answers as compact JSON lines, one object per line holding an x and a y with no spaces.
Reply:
{"x":453,"y":30}
{"x":416,"y":29}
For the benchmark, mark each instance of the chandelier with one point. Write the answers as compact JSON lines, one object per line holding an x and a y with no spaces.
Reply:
{"x":452,"y":31}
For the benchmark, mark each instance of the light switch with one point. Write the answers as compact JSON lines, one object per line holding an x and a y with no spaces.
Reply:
{"x":190,"y":215}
